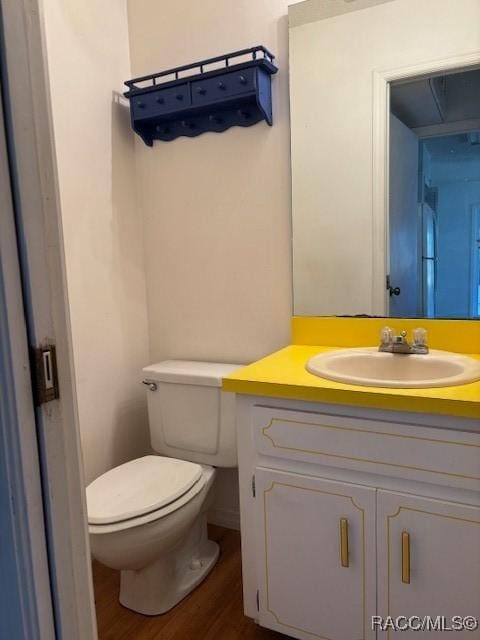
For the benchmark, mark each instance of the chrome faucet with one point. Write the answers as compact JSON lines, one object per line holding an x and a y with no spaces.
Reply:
{"x":390,"y":343}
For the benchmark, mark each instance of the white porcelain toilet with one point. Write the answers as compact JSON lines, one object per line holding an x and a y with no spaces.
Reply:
{"x":147,"y":517}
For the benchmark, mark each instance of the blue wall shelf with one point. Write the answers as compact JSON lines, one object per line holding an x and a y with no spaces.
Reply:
{"x":190,"y":100}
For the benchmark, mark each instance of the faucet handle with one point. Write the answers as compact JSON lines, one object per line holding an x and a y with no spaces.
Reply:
{"x":420,"y":337}
{"x":386,"y":335}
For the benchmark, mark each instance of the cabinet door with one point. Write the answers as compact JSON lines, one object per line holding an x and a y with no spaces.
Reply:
{"x":428,"y":561}
{"x":316,"y":556}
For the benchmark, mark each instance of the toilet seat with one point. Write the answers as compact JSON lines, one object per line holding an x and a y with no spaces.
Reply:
{"x":141,"y":491}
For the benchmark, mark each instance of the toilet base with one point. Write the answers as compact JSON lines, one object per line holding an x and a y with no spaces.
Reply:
{"x":161,"y":585}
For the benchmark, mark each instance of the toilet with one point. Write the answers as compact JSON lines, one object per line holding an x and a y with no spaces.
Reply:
{"x":147,"y":517}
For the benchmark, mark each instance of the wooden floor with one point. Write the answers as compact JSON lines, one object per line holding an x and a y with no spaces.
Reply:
{"x":214,"y":611}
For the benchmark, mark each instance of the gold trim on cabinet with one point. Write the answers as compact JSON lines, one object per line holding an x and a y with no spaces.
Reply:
{"x":394,"y":515}
{"x":328,"y":493}
{"x":368,"y":460}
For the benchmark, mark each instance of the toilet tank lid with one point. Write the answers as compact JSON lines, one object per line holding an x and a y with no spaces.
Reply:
{"x":207,"y":374}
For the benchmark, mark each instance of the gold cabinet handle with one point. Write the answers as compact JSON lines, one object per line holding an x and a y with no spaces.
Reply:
{"x":344,"y":542}
{"x":405,"y":557}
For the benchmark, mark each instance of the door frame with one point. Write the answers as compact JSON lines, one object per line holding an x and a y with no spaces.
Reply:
{"x":25,"y":571}
{"x":380,"y":158}
{"x":423,"y":258}
{"x":39,"y":243}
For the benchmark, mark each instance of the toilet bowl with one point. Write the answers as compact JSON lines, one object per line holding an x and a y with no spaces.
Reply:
{"x":161,"y":554}
{"x":147,"y":517}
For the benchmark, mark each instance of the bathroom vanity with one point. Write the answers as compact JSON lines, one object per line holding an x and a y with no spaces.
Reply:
{"x":351,"y":511}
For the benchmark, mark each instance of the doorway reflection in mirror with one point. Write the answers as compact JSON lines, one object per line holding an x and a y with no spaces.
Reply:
{"x":434,"y":197}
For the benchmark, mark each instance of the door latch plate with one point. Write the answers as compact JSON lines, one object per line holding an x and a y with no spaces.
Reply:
{"x":44,"y":374}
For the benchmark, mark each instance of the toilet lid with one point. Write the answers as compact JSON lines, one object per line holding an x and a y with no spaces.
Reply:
{"x":138,"y":487}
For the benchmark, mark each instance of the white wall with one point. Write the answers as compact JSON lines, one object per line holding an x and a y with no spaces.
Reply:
{"x":88,"y":56}
{"x":214,"y":212}
{"x":332,"y":65}
{"x":216,"y":208}
{"x":225,"y":510}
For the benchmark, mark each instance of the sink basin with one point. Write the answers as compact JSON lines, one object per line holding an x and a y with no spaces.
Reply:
{"x":369,"y":367}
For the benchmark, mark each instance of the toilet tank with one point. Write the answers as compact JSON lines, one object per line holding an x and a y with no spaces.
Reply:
{"x":189,"y":415}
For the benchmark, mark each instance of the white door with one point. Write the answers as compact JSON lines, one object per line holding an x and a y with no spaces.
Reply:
{"x":403,"y":221}
{"x":428,"y":562}
{"x":316,"y":556}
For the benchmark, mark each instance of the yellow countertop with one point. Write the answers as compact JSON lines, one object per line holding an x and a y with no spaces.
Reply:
{"x":283,"y":375}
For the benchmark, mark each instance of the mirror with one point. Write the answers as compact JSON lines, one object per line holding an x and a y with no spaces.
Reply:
{"x":385,"y":164}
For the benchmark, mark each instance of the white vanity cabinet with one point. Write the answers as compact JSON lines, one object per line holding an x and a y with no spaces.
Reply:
{"x":428,"y":559}
{"x":315,"y":532}
{"x":350,"y":513}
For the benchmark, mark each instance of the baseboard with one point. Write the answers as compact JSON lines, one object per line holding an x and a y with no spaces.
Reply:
{"x":228,"y":518}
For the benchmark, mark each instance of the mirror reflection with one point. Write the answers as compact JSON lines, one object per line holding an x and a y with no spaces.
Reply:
{"x":434,"y":197}
{"x":385,"y":192}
